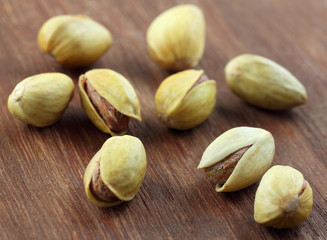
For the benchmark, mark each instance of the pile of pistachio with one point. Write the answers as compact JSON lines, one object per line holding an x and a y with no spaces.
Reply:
{"x":176,"y":41}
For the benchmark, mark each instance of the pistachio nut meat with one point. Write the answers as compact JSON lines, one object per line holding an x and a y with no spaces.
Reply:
{"x":238,"y":158}
{"x":115,"y":173}
{"x":109,"y":100}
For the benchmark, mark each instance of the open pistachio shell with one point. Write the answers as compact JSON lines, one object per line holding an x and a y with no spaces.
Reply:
{"x":74,"y":40}
{"x":264,"y":83}
{"x":185,"y":99}
{"x":40,"y":100}
{"x":122,"y":164}
{"x":116,"y":90}
{"x":238,"y":158}
{"x":176,"y":38}
{"x":283,"y":198}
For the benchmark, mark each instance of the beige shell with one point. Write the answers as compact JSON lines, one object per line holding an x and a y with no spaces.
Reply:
{"x":74,"y":40}
{"x":183,"y":104}
{"x":283,"y":198}
{"x":264,"y":83}
{"x":176,"y":38}
{"x":40,"y":100}
{"x":252,"y":164}
{"x":122,"y":169}
{"x":116,"y":89}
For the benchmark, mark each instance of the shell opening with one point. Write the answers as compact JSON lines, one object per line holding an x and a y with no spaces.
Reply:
{"x":116,"y":121}
{"x":304,"y":187}
{"x":202,"y":78}
{"x":219,"y":173}
{"x":99,"y":189}
{"x":291,"y":203}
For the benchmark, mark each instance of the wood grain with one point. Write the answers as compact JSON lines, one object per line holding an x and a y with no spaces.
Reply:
{"x":41,"y":169}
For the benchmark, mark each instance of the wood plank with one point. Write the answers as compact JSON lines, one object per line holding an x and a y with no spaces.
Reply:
{"x":41,"y":169}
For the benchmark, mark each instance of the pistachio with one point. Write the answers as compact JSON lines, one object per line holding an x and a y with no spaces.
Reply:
{"x":40,"y":100}
{"x":185,"y":99}
{"x":176,"y":38}
{"x":74,"y":40}
{"x":109,"y":100}
{"x":115,"y":173}
{"x":238,"y":158}
{"x":264,"y":83}
{"x":283,"y":198}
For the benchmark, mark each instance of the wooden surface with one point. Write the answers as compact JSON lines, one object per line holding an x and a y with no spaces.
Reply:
{"x":41,"y":169}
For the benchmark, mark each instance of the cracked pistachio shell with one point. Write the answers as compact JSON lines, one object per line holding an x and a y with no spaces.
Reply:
{"x":176,"y":38}
{"x":122,"y":169}
{"x":283,"y":198}
{"x":40,"y":100}
{"x":182,"y":105}
{"x":74,"y":40}
{"x":116,"y":89}
{"x":253,"y":163}
{"x":264,"y":83}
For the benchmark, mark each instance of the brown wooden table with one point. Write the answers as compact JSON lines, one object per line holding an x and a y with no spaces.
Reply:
{"x":41,"y":169}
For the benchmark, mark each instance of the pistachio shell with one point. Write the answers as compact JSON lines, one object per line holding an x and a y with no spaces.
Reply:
{"x":113,"y":87}
{"x":252,"y":164}
{"x":264,"y":83}
{"x":74,"y":40}
{"x":122,"y":168}
{"x":183,"y":104}
{"x":283,"y":198}
{"x":176,"y":38}
{"x":40,"y":100}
